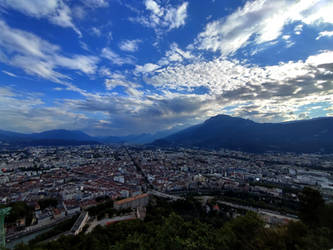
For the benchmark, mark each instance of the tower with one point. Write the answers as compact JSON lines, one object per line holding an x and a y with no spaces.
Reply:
{"x":3,"y":213}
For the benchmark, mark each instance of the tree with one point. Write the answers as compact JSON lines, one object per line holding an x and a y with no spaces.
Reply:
{"x":49,"y":202}
{"x":19,"y":210}
{"x":311,"y":202}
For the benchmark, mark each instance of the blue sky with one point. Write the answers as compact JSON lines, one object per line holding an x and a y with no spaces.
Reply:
{"x":126,"y":67}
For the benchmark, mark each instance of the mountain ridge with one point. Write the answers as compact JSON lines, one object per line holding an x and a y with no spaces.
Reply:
{"x":223,"y":131}
{"x":73,"y":137}
{"x":57,"y":137}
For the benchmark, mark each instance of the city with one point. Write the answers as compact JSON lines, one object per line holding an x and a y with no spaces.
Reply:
{"x":166,"y":124}
{"x":77,"y":176}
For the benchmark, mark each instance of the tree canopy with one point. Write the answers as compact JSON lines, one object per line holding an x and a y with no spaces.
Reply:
{"x":187,"y":225}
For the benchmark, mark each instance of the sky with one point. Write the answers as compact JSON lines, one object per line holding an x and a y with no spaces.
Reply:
{"x":119,"y":67}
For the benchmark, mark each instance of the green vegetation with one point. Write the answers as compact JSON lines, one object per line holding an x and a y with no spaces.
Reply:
{"x":19,"y":210}
{"x":105,"y":209}
{"x":311,"y":206}
{"x":261,"y":201}
{"x":49,"y":202}
{"x":58,"y":229}
{"x":102,"y":209}
{"x":186,"y":225}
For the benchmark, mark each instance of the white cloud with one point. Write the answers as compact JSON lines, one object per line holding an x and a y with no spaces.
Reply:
{"x":112,"y":83}
{"x":260,"y":21}
{"x":96,"y":3}
{"x":56,"y":11}
{"x":84,"y":46}
{"x":96,"y":31}
{"x":25,"y":112}
{"x":288,"y":41}
{"x":316,"y":11}
{"x":324,"y":34}
{"x":9,"y":73}
{"x":149,"y":113}
{"x":6,"y":92}
{"x":41,"y":68}
{"x":176,"y":17}
{"x":85,"y":64}
{"x":271,"y":93}
{"x":183,"y":89}
{"x":324,"y":57}
{"x":175,"y":54}
{"x":14,"y":40}
{"x":130,"y":45}
{"x":104,"y":71}
{"x":221,"y":75}
{"x":154,"y":7}
{"x":39,"y":57}
{"x":115,"y":58}
{"x":163,"y":18}
{"x":298,"y":29}
{"x":79,"y":12}
{"x":116,"y":79}
{"x":147,"y":68}
{"x":36,"y":8}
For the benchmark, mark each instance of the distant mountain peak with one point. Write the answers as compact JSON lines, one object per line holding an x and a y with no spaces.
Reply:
{"x":222,"y":117}
{"x":48,"y":138}
{"x":227,"y":120}
{"x":224,"y":131}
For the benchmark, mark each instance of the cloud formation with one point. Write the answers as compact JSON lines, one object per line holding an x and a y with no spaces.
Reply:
{"x":271,"y":92}
{"x":9,"y":73}
{"x":324,"y":34}
{"x":179,"y":83}
{"x":95,"y":3}
{"x":39,"y":57}
{"x":175,"y":54}
{"x":130,"y":45}
{"x":146,"y":68}
{"x":135,"y":114}
{"x":163,"y":18}
{"x":115,"y":58}
{"x":56,"y":11}
{"x":25,"y":112}
{"x":259,"y":22}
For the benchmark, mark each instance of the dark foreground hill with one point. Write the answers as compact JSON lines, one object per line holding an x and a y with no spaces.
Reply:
{"x":187,"y":225}
{"x":222,"y":131}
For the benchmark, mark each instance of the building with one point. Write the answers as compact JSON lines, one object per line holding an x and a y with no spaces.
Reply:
{"x":133,"y":202}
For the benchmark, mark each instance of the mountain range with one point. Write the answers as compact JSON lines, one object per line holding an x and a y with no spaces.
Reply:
{"x":221,"y":131}
{"x":58,"y":137}
{"x":62,"y":137}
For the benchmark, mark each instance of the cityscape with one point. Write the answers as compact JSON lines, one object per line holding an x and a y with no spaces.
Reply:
{"x":81,"y":174}
{"x":166,"y":124}
{"x":78,"y":177}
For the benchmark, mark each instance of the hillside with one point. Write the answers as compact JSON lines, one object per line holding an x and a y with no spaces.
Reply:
{"x":47,"y":138}
{"x":186,"y":224}
{"x":222,"y":131}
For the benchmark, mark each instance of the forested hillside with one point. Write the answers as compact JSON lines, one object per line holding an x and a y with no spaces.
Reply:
{"x":186,"y":225}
